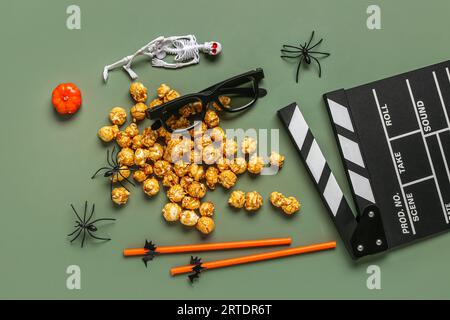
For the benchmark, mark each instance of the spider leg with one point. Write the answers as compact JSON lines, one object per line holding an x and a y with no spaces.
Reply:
{"x":108,"y":159}
{"x":98,"y":238}
{"x":92,"y":213}
{"x":96,"y":172}
{"x":126,"y":179}
{"x":122,"y":185}
{"x":130,"y":182}
{"x":73,"y":208}
{"x":318,"y":52}
{"x":293,"y":57}
{"x":77,"y":228}
{"x":77,"y":235}
{"x":291,"y":51}
{"x":318,"y":42}
{"x":84,"y":238}
{"x":293,"y":47}
{"x":286,"y":51}
{"x":125,"y":169}
{"x":310,"y":39}
{"x":318,"y":63}
{"x":298,"y":70}
{"x":114,"y":157}
{"x":85,"y":210}
{"x":103,"y":219}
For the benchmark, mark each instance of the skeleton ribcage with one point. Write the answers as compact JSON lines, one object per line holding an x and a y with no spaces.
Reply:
{"x":183,"y":50}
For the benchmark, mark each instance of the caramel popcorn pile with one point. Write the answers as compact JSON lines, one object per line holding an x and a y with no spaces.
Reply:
{"x":187,"y":167}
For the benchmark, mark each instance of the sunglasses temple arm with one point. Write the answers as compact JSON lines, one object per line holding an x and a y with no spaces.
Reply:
{"x":156,"y":124}
{"x":243,"y":91}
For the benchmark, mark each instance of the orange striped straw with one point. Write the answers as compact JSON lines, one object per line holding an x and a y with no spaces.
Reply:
{"x":210,"y":246}
{"x":255,"y":257}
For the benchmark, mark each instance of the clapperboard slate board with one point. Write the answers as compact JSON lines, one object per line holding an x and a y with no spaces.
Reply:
{"x":394,"y":139}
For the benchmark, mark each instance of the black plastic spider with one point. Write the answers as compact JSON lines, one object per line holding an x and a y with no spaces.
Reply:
{"x":305,"y":53}
{"x":86,"y":226}
{"x":114,"y":170}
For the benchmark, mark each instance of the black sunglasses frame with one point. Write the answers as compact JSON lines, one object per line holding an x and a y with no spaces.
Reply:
{"x":208,"y":96}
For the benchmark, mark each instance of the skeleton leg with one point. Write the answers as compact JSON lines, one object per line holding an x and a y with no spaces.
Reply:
{"x":147,"y":50}
{"x":114,"y":66}
{"x":130,"y":72}
{"x":126,"y":62}
{"x":127,"y":66}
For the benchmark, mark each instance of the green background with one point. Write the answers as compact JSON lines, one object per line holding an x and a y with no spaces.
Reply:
{"x":46,"y":161}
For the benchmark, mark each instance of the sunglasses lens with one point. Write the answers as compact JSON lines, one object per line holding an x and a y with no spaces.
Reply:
{"x":186,"y":116}
{"x":239,"y":97}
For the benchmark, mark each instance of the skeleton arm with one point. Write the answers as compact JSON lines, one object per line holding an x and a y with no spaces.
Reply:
{"x":189,"y":37}
{"x":160,"y":63}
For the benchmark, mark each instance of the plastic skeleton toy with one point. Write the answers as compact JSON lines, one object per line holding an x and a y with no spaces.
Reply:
{"x":185,"y":49}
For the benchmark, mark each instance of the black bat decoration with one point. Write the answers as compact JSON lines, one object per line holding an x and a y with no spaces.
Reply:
{"x":197,"y":269}
{"x":151,"y":252}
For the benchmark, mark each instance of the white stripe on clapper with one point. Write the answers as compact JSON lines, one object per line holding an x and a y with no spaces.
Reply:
{"x":361,"y":186}
{"x":413,"y":101}
{"x":315,"y":161}
{"x":333,"y":194}
{"x":351,"y":151}
{"x":393,"y":161}
{"x":298,"y":127}
{"x":340,"y":115}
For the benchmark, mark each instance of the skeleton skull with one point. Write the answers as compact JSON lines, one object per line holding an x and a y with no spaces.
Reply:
{"x":212,"y":48}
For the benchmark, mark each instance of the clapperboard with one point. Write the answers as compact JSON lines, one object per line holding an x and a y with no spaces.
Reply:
{"x":394,"y":139}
